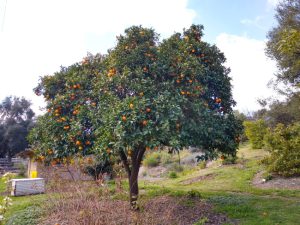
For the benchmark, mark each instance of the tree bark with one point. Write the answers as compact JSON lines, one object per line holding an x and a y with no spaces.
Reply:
{"x":133,"y":188}
{"x":133,"y":178}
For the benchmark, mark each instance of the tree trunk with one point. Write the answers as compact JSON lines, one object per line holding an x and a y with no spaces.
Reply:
{"x":134,"y":188}
{"x":133,"y":173}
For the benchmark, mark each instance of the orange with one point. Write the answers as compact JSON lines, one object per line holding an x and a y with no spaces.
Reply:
{"x":145,"y":122}
{"x":78,"y":143}
{"x":148,"y":110}
{"x":124,"y":118}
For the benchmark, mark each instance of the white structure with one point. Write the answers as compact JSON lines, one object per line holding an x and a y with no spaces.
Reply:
{"x":27,"y":186}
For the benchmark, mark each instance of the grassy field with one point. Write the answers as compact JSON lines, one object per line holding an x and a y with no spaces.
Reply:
{"x":231,"y":191}
{"x":229,"y":188}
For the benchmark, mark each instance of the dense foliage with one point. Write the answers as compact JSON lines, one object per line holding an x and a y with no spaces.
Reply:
{"x":255,"y":132}
{"x":283,"y":44}
{"x":141,"y":95}
{"x":283,"y":143}
{"x":16,"y":119}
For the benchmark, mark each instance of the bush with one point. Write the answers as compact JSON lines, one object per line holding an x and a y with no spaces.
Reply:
{"x":255,"y":132}
{"x":173,"y":175}
{"x":283,"y":143}
{"x":29,"y":216}
{"x":228,"y":160}
{"x":94,"y":167}
{"x":152,"y":159}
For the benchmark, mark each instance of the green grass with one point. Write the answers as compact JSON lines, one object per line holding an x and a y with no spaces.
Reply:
{"x":232,"y":192}
{"x":24,"y":209}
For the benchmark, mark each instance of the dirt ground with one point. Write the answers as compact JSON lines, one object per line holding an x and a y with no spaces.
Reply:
{"x":291,"y":183}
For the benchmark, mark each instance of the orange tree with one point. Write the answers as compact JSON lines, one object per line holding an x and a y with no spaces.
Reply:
{"x":142,"y":95}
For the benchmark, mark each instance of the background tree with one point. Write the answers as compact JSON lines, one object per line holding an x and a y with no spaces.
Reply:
{"x":146,"y":95}
{"x":283,"y":44}
{"x":255,"y":132}
{"x":16,"y":119}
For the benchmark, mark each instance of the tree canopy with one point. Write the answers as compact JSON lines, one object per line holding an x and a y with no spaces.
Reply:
{"x":16,"y":118}
{"x":283,"y":44}
{"x":144,"y":94}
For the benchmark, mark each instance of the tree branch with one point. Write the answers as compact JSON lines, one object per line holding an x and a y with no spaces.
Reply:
{"x":125,"y":162}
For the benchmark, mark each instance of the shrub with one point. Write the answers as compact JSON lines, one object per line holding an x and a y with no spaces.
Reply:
{"x":28,"y":216}
{"x":228,"y":160}
{"x":255,"y":132}
{"x":173,"y":175}
{"x":283,"y":143}
{"x":95,"y":167}
{"x":152,"y":159}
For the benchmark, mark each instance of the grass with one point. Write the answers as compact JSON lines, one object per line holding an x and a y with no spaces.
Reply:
{"x":24,"y":210}
{"x":229,"y":189}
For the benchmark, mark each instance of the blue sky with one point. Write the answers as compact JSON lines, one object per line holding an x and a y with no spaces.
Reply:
{"x":240,"y":17}
{"x":37,"y":37}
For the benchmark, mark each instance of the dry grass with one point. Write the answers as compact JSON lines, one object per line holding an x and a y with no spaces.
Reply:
{"x":88,"y":203}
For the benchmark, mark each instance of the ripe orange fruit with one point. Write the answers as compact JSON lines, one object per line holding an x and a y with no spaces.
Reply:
{"x":124,"y":118}
{"x":78,"y":143}
{"x":50,"y":152}
{"x":87,"y":142}
{"x":182,"y":92}
{"x":148,"y":110}
{"x":190,"y":81}
{"x":66,"y":127}
{"x":63,"y":119}
{"x":145,"y":122}
{"x":177,"y":81}
{"x":74,"y":86}
{"x":94,"y":104}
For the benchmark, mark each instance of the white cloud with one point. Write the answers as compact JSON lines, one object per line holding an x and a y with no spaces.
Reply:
{"x":251,"y":70}
{"x":254,"y":22}
{"x":39,"y":36}
{"x":273,"y":2}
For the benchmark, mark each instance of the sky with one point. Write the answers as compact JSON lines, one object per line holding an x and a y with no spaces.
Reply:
{"x":37,"y":37}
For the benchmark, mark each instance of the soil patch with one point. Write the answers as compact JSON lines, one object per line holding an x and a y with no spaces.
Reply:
{"x":277,"y":182}
{"x":164,"y":210}
{"x":199,"y":178}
